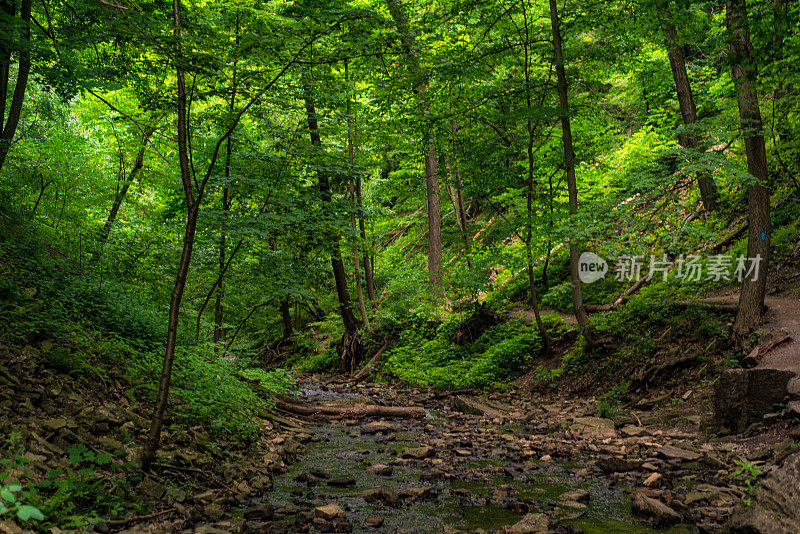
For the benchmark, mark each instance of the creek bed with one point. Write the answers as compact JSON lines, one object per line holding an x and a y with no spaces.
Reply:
{"x":464,"y":503}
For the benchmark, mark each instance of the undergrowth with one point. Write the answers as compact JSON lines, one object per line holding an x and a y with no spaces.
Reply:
{"x":89,"y":328}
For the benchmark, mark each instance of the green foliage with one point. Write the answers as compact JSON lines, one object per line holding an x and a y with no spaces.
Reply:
{"x":108,"y":331}
{"x":9,"y":504}
{"x":608,"y":404}
{"x":749,"y":473}
{"x":559,"y":297}
{"x":499,"y":352}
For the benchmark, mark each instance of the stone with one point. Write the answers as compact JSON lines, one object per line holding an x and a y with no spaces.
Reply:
{"x":672,"y":452}
{"x":578,"y":495}
{"x":323,"y":525}
{"x":533,"y":523}
{"x":152,"y":489}
{"x":342,"y":482}
{"x":54,"y":425}
{"x":376,"y":427}
{"x":793,"y":408}
{"x":654,"y":480}
{"x":418,"y":453}
{"x":743,"y":396}
{"x":472,"y":406}
{"x":176,"y":495}
{"x":329,"y":512}
{"x":775,"y":506}
{"x":373,"y":522}
{"x":653,"y":510}
{"x":616,"y":464}
{"x":633,"y":430}
{"x":793,"y":387}
{"x":262,"y":511}
{"x":381,"y":470}
{"x":593,"y":427}
{"x":431,"y":474}
{"x":213,"y":511}
{"x":9,"y":527}
{"x":384,"y":495}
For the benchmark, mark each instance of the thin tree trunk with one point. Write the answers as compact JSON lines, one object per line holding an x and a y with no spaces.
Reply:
{"x":350,"y":345}
{"x":7,"y":10}
{"x":368,"y":278}
{"x":745,"y":72}
{"x":44,"y":185}
{"x":286,"y":315}
{"x":689,"y":140}
{"x":461,"y":212}
{"x":120,"y":197}
{"x":431,"y":161}
{"x":569,"y":165}
{"x":219,"y":331}
{"x":193,"y":210}
{"x":350,"y":161}
{"x":23,"y":69}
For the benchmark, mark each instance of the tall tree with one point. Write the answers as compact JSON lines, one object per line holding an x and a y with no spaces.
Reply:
{"x":745,"y":71}
{"x":350,"y":172}
{"x":349,"y":347}
{"x":420,"y":89}
{"x":193,"y":199}
{"x":569,"y":166}
{"x":15,"y":39}
{"x":689,"y":139}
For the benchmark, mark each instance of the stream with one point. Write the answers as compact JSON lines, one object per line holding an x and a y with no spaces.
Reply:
{"x":470,"y":480}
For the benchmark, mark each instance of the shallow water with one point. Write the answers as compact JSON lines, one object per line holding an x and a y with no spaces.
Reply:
{"x":343,"y":451}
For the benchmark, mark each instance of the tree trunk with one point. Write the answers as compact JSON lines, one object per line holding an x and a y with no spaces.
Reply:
{"x":745,"y":72}
{"x":120,"y":197}
{"x":193,"y":210}
{"x":689,"y":139}
{"x":569,"y":165}
{"x":434,"y":218}
{"x":219,"y":330}
{"x":431,"y":162}
{"x":286,"y":317}
{"x":461,"y":212}
{"x":349,"y":347}
{"x":23,"y":69}
{"x":350,"y":161}
{"x":368,"y":277}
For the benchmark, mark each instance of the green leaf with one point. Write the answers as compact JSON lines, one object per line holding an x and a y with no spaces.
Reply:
{"x":26,"y":511}
{"x":3,"y":508}
{"x":14,"y":487}
{"x":6,"y":495}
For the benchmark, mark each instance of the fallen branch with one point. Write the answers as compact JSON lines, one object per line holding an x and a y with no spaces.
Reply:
{"x":139,"y":518}
{"x":370,"y":367}
{"x":357,"y":411}
{"x":622,"y":298}
{"x":714,"y":304}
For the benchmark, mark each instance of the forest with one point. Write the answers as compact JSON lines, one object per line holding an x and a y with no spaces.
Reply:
{"x":399,"y":266}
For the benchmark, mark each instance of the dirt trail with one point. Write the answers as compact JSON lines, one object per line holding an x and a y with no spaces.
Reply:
{"x":783,"y":315}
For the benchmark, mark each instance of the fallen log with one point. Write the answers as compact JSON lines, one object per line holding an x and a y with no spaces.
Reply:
{"x":357,"y":411}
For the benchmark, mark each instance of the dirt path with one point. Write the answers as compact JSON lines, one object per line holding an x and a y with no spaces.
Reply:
{"x":782,"y":316}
